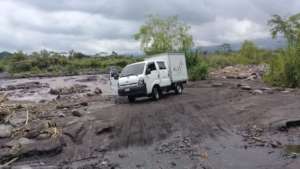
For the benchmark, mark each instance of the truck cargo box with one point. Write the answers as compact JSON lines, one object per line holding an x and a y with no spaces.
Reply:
{"x":176,"y":64}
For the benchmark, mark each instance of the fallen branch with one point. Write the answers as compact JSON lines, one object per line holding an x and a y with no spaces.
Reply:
{"x":27,"y":116}
{"x":9,"y":162}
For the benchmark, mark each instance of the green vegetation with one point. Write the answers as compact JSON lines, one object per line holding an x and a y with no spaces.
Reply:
{"x":285,"y":67}
{"x":249,"y":54}
{"x":49,"y":63}
{"x":197,"y":66}
{"x":160,"y":35}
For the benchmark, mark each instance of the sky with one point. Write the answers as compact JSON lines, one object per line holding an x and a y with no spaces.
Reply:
{"x":93,"y":26}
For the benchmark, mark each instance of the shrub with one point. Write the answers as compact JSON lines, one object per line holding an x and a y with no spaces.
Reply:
{"x":196,"y":65}
{"x":198,"y":72}
{"x":285,"y":68}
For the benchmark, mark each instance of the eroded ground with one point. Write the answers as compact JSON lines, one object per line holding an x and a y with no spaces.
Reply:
{"x":217,"y":124}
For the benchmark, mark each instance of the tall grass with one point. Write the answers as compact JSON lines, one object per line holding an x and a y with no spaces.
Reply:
{"x":285,"y":68}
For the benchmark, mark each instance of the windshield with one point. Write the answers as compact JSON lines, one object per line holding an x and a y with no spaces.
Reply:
{"x":134,"y":69}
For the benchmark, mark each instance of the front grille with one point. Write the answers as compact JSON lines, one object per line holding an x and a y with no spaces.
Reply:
{"x":128,"y":85}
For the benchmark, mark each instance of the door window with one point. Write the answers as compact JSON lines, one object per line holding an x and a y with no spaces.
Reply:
{"x":151,"y":66}
{"x":161,"y":65}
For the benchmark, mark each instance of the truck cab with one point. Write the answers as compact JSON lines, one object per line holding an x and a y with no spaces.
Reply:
{"x":149,"y":78}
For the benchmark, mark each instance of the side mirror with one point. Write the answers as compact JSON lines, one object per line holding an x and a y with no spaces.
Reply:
{"x":148,"y":71}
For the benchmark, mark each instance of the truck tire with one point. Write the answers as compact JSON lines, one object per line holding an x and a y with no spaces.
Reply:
{"x":155,"y":93}
{"x":131,"y":99}
{"x":178,"y":88}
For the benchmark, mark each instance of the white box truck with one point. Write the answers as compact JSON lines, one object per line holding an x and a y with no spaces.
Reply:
{"x":153,"y":76}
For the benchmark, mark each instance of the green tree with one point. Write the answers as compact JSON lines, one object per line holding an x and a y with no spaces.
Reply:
{"x":225,"y":48}
{"x":159,"y":35}
{"x":249,"y":51}
{"x":289,"y":27}
{"x":285,"y":67}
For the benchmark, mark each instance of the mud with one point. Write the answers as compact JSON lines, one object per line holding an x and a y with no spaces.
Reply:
{"x":214,"y":124}
{"x":39,"y":89}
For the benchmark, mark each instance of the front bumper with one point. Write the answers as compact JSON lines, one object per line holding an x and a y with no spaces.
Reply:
{"x":136,"y":91}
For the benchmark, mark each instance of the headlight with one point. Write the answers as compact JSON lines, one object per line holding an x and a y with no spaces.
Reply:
{"x":141,"y":82}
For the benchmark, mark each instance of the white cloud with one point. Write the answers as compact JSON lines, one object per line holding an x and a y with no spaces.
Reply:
{"x":228,"y":30}
{"x":94,"y":26}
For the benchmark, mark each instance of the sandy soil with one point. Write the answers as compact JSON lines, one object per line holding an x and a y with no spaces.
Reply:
{"x":214,"y":124}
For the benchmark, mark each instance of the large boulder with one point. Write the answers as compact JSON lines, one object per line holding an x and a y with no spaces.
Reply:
{"x":5,"y":131}
{"x":24,"y":147}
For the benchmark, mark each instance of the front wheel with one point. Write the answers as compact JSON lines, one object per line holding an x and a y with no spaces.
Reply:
{"x":178,"y":88}
{"x":155,"y":93}
{"x":131,"y":99}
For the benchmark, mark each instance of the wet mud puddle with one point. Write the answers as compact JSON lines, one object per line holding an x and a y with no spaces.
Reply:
{"x":292,"y":149}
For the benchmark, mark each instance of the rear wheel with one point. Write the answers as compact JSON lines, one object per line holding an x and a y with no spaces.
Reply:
{"x":155,"y":93}
{"x":131,"y":99}
{"x":178,"y":88}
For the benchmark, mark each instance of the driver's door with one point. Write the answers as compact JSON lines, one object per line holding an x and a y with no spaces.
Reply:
{"x":151,"y":76}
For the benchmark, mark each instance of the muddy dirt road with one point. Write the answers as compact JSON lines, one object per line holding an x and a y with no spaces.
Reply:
{"x":215,"y":124}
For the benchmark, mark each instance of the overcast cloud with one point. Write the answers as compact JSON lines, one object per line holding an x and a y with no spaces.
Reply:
{"x":93,"y":26}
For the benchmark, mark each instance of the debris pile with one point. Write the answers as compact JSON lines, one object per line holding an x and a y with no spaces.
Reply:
{"x":179,"y":144}
{"x":249,"y":72}
{"x":88,"y":79}
{"x":253,"y":136}
{"x":25,"y":133}
{"x":77,"y":88}
{"x":26,"y":85}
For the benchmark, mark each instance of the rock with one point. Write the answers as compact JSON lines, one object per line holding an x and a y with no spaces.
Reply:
{"x":252,"y":77}
{"x":76,"y":113}
{"x":122,"y":155}
{"x":19,"y":142}
{"x":42,"y":147}
{"x":257,"y":92}
{"x":98,"y":91}
{"x":275,"y":144}
{"x":89,"y":94}
{"x":72,"y":105}
{"x":217,"y":84}
{"x":35,"y":128}
{"x":5,"y":131}
{"x":173,"y":164}
{"x":103,"y":128}
{"x":245,"y":87}
{"x":18,"y":119}
{"x":242,"y":76}
{"x":77,"y":88}
{"x":43,"y":136}
{"x":54,"y":91}
{"x":26,"y":147}
{"x":22,"y":167}
{"x":84,"y":103}
{"x":61,"y":114}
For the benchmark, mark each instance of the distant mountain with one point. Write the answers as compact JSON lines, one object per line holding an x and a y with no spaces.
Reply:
{"x":5,"y":54}
{"x":267,"y":43}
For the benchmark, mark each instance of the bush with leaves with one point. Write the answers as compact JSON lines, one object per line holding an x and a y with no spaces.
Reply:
{"x":285,"y":67}
{"x":196,"y":65}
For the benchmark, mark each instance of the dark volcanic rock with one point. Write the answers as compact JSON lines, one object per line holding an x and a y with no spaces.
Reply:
{"x":76,"y":113}
{"x":27,"y":147}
